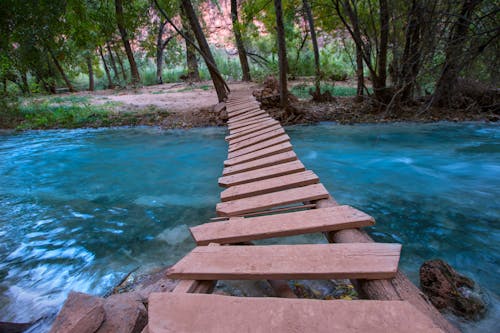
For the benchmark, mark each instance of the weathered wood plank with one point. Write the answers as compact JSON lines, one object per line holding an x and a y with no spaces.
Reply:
{"x":246,"y":123}
{"x":260,"y":163}
{"x":252,"y":141}
{"x":252,"y":128}
{"x":258,"y":146}
{"x":246,"y":115}
{"x":273,"y":150}
{"x":263,"y":173}
{"x":273,"y":262}
{"x":247,"y":136}
{"x":269,"y":200}
{"x":197,"y":313}
{"x":282,"y":225}
{"x":269,"y":185}
{"x":238,"y":113}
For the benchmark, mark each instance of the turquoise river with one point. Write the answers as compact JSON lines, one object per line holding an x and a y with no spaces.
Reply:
{"x":80,"y":209}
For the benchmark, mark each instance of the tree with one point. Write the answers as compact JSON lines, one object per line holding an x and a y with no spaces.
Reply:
{"x":245,"y":68}
{"x":161,"y":44}
{"x":120,"y":21}
{"x":314,"y":40}
{"x":283,"y":62}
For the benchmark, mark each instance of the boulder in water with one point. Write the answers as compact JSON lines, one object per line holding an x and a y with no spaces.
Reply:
{"x":449,"y":290}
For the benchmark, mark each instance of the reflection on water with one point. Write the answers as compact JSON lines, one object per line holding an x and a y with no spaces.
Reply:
{"x":82,"y":208}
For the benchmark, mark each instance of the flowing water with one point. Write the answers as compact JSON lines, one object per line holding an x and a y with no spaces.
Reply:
{"x":83,"y":208}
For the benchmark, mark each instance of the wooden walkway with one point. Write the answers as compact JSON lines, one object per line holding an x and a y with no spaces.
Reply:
{"x":269,"y":193}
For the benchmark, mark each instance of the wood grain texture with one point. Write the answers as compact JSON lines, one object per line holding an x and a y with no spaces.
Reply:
{"x":245,"y":115}
{"x":288,"y":262}
{"x":258,"y":146}
{"x":198,"y":313}
{"x":281,"y":225}
{"x":274,"y":184}
{"x":263,"y":173}
{"x":270,"y":200}
{"x":260,"y":163}
{"x":273,"y":150}
{"x":252,"y":128}
{"x":245,"y":123}
{"x":247,"y":136}
{"x":257,"y":139}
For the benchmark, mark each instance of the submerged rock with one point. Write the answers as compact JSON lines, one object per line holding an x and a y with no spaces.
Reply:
{"x":449,"y":290}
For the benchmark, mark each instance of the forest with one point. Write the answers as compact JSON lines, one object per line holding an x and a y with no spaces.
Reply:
{"x":400,"y":55}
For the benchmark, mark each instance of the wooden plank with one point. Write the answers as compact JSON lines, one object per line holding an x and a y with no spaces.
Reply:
{"x":281,"y":225}
{"x":289,"y":262}
{"x":245,"y":123}
{"x":233,"y":118}
{"x":280,"y":210}
{"x":263,"y":173}
{"x":398,"y":288}
{"x":269,"y":185}
{"x":273,"y":150}
{"x":258,"y":146}
{"x":242,"y":111}
{"x":257,"y":139}
{"x":252,"y":128}
{"x":269,"y":200}
{"x":246,"y":115}
{"x":247,"y":136}
{"x":199,"y":313}
{"x":260,"y":163}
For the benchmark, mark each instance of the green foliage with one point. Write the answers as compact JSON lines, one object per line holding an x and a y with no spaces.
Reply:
{"x":302,"y":90}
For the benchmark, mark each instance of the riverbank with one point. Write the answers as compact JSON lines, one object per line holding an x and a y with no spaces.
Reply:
{"x":183,"y":105}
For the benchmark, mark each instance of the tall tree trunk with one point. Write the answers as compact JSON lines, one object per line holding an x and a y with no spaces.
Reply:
{"x":91,"y":73}
{"x":160,"y":47}
{"x":245,"y":68}
{"x":134,"y":72}
{"x":314,"y":40}
{"x":193,"y":74}
{"x":112,"y":60}
{"x":447,"y":82}
{"x":120,"y":62}
{"x":61,"y":71}
{"x":410,"y":64}
{"x":24,"y":80}
{"x":219,"y":83}
{"x":106,"y":69}
{"x":380,"y":80}
{"x":282,"y":60}
{"x":359,"y":73}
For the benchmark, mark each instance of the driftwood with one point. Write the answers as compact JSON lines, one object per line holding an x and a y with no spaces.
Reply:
{"x":399,"y":288}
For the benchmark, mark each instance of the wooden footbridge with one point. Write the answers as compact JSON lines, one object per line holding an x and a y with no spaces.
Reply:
{"x":269,"y":193}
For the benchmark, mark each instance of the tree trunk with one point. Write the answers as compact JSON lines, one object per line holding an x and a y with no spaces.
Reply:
{"x":112,"y":60}
{"x":120,"y":62}
{"x":410,"y":64}
{"x":26,"y":86}
{"x":134,"y":72}
{"x":314,"y":41}
{"x":61,"y":71}
{"x":4,"y":81}
{"x":160,"y":47}
{"x":106,"y":69}
{"x":193,"y":74}
{"x":359,"y":73}
{"x":91,"y":73}
{"x":282,"y":60}
{"x":380,"y":80}
{"x":219,"y":83}
{"x":445,"y":87}
{"x":245,"y":68}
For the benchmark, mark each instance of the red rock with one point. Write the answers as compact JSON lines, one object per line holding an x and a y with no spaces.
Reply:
{"x":125,"y":313}
{"x":81,"y":313}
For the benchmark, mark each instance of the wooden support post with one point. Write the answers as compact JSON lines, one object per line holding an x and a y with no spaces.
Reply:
{"x":398,"y":288}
